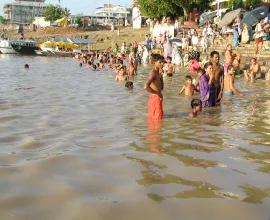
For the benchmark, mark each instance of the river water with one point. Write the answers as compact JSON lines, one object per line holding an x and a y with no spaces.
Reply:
{"x":74,"y":144}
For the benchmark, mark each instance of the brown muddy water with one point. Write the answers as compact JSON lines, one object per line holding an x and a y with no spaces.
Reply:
{"x":74,"y":144}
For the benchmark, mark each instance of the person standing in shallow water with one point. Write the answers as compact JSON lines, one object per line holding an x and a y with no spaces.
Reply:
{"x":207,"y":86}
{"x":154,"y":85}
{"x":218,"y":71}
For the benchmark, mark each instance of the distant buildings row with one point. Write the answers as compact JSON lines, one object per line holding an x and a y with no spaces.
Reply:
{"x":24,"y":11}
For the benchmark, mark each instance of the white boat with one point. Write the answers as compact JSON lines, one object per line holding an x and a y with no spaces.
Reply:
{"x":6,"y":48}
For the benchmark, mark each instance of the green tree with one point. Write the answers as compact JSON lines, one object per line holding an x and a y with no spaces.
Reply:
{"x":1,"y":20}
{"x":66,"y":12}
{"x":79,"y":22}
{"x":235,"y":4}
{"x":53,"y":13}
{"x":252,"y":3}
{"x":159,"y":8}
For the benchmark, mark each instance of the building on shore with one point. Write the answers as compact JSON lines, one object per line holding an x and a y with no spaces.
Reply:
{"x":23,"y":11}
{"x":108,"y":10}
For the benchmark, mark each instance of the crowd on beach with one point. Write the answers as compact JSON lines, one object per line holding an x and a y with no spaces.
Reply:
{"x":210,"y":76}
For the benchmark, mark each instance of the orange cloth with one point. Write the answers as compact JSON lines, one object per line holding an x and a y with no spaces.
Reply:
{"x":155,"y":110}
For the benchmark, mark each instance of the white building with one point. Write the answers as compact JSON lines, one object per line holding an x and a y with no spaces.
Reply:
{"x":118,"y":12}
{"x":23,"y":11}
{"x":136,"y":18}
{"x":40,"y":22}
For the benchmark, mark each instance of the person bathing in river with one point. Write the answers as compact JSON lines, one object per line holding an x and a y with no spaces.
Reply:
{"x":207,"y":86}
{"x":229,"y":88}
{"x":196,"y":105}
{"x":236,"y":63}
{"x":189,"y":88}
{"x":121,"y":76}
{"x":169,"y":69}
{"x":154,"y":85}
{"x":253,"y":70}
{"x":218,"y":71}
{"x":228,"y":58}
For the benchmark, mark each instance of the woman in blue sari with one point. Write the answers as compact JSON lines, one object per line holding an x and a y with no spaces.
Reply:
{"x":235,"y":37}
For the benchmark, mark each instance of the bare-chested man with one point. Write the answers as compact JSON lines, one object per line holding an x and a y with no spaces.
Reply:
{"x":219,"y":74}
{"x":229,"y":88}
{"x":253,"y":70}
{"x":154,"y":86}
{"x":228,"y":58}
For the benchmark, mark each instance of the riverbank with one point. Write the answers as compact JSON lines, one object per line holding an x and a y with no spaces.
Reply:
{"x":105,"y":38}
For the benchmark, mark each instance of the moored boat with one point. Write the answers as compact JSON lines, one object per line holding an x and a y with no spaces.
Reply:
{"x":6,"y":48}
{"x":24,"y":46}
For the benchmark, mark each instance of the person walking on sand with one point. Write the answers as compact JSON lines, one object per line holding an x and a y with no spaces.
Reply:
{"x":154,"y":85}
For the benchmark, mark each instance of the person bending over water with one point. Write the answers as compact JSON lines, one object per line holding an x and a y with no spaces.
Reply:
{"x":189,"y":88}
{"x":196,"y":105}
{"x":253,"y":70}
{"x":154,"y":85}
{"x":229,"y":88}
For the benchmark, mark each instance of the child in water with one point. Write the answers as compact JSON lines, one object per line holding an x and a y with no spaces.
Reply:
{"x":26,"y":66}
{"x":196,"y":105}
{"x":129,"y":85}
{"x":189,"y":88}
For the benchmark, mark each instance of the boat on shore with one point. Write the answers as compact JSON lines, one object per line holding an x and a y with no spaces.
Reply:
{"x":52,"y":53}
{"x":24,"y":46}
{"x":6,"y":48}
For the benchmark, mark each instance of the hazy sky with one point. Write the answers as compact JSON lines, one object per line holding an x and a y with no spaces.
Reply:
{"x":79,"y":6}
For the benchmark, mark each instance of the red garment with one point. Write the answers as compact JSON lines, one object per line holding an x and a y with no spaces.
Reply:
{"x":194,"y":66}
{"x":155,"y":110}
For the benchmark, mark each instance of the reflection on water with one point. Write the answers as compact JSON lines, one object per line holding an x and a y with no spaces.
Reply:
{"x":77,"y":145}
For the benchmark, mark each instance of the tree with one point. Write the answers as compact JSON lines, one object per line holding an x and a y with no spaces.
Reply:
{"x":79,"y":22}
{"x":235,"y":4}
{"x":252,"y":3}
{"x":53,"y":13}
{"x":160,"y":8}
{"x":66,"y":12}
{"x":1,"y":20}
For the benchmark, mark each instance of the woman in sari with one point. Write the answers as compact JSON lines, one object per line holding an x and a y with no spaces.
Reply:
{"x":208,"y":93}
{"x":245,"y":34}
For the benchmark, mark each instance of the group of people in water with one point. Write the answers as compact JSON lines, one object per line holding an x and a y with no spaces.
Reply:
{"x":214,"y":80}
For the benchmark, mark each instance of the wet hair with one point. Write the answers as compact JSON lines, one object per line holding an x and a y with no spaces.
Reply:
{"x":195,"y":103}
{"x":94,"y":66}
{"x":213,"y":53}
{"x":26,"y":66}
{"x":207,"y":65}
{"x":159,"y":58}
{"x":188,"y":77}
{"x":121,"y":62}
{"x":230,"y":67}
{"x":128,"y":84}
{"x":169,"y":58}
{"x":80,"y":64}
{"x":200,"y":70}
{"x":97,"y":65}
{"x":253,"y":59}
{"x":89,"y":63}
